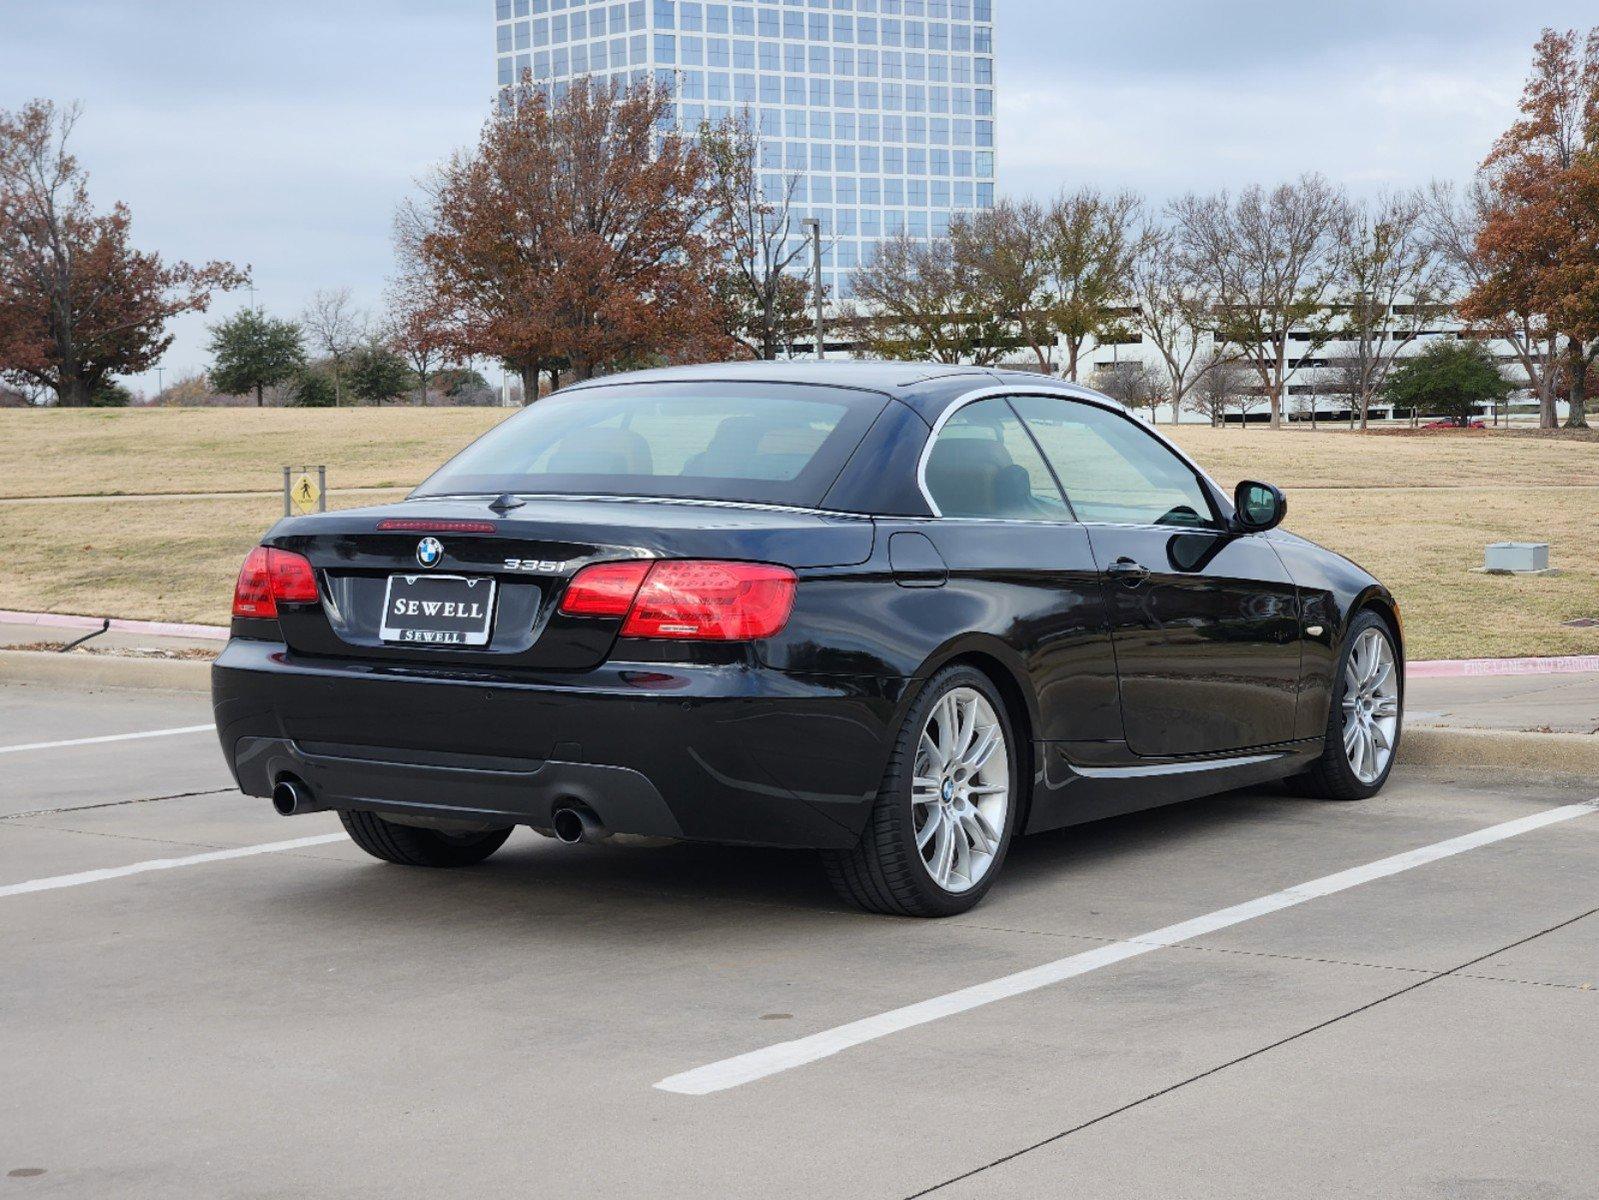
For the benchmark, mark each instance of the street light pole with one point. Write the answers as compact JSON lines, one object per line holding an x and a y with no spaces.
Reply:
{"x":814,"y":225}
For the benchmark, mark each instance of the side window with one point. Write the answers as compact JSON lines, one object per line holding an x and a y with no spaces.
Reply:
{"x":1114,"y":472}
{"x":984,"y":465}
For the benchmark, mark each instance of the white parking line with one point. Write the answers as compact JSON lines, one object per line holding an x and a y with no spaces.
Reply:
{"x":52,"y":882}
{"x":110,"y":737}
{"x":784,"y":1056}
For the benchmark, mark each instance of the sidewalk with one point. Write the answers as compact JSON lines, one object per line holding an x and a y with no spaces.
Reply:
{"x":118,"y":642}
{"x":1529,"y":703}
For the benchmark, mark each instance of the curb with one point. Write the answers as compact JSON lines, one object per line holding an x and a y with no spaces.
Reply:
{"x":104,"y":670}
{"x":210,"y":633}
{"x":1544,"y":753}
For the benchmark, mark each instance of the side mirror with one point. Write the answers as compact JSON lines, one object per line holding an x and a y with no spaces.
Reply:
{"x":1257,"y":507}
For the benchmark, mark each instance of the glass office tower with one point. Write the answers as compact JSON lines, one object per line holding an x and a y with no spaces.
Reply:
{"x":883,"y":108}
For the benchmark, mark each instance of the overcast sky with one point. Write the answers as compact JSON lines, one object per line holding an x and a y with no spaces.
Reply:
{"x":283,"y":134}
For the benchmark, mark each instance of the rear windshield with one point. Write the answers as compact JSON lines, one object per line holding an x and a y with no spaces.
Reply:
{"x":765,"y":443}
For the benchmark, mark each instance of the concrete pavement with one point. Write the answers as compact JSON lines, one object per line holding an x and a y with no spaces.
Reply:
{"x":308,"y":1022}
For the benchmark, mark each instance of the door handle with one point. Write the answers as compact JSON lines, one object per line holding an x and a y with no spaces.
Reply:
{"x":1128,"y":571}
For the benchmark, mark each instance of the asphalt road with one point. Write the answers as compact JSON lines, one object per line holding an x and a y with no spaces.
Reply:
{"x":302,"y":1021}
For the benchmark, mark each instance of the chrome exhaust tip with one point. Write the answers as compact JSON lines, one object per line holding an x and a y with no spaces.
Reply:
{"x":573,"y":825}
{"x":290,"y":797}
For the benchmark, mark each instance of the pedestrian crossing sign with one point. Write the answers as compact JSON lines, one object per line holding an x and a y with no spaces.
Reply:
{"x":304,"y":493}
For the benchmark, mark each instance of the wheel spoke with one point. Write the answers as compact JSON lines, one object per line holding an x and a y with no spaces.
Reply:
{"x":1357,"y":663}
{"x":1376,"y":658}
{"x":961,"y":859}
{"x":943,"y":852}
{"x":949,"y":729}
{"x":977,"y":757}
{"x":966,"y":728}
{"x":984,"y":835}
{"x":935,"y":818}
{"x":1351,"y":733}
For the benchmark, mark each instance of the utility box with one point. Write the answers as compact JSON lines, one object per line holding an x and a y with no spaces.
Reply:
{"x":1516,"y":557}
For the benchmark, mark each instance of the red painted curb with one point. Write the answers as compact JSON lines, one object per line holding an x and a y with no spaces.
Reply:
{"x":1447,"y":668}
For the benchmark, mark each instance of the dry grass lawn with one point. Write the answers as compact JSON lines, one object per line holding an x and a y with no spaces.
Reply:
{"x":1414,"y":508}
{"x":167,"y":560}
{"x":1298,"y":458}
{"x":110,"y":452}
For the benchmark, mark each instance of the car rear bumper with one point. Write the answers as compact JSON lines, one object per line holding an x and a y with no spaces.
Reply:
{"x":713,"y":753}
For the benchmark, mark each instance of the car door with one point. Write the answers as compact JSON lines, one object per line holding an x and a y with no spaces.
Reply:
{"x":1021,"y":568}
{"x":1204,"y":621}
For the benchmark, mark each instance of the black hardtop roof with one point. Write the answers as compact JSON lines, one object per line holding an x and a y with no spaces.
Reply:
{"x":926,"y":387}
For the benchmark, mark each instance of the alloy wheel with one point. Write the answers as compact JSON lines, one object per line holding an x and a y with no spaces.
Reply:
{"x":1371,"y":705}
{"x":960,"y":794}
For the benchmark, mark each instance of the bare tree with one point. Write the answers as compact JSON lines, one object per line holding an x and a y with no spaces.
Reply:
{"x":1089,"y":242}
{"x":335,"y":327}
{"x":1220,"y":385}
{"x":416,"y":327}
{"x":1342,"y":380}
{"x":1004,"y":249}
{"x":1172,"y":305}
{"x":764,"y":289}
{"x":1390,"y":285}
{"x":1270,"y":258}
{"x":1135,"y":385}
{"x":1454,"y":221}
{"x":922,"y":302}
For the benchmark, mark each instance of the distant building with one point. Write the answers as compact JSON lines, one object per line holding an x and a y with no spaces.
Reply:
{"x":1318,"y":383}
{"x":885,"y":108}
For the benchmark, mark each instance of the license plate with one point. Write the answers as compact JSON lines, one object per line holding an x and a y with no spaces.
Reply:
{"x":438,"y":610}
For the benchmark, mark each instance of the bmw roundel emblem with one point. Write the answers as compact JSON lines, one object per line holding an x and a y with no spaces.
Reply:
{"x":428,"y":551}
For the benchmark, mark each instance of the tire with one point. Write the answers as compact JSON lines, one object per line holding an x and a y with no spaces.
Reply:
{"x":888,"y":871}
{"x":411,"y":846}
{"x":1337,"y":775}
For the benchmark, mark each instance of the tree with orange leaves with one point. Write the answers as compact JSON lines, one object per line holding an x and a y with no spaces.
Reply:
{"x":572,"y":235}
{"x":1539,"y":239}
{"x":78,"y":304}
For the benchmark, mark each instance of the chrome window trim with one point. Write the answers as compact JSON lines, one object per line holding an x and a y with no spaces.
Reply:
{"x":1055,"y":392}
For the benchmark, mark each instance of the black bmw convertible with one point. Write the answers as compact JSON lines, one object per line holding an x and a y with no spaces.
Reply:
{"x":900,"y":614}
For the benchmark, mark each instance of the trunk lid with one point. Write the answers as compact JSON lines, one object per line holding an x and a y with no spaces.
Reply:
{"x":529,"y":553}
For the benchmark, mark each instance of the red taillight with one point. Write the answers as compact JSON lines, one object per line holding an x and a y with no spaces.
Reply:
{"x":706,"y":601}
{"x":604,"y":589}
{"x":270,"y":577}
